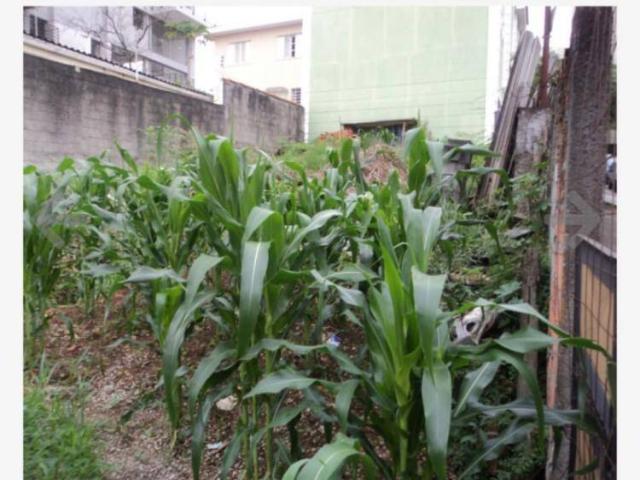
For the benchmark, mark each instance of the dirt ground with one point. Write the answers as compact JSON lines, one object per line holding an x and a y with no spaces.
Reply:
{"x":122,"y":369}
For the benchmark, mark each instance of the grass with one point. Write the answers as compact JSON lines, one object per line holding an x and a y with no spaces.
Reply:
{"x":59,"y":443}
{"x":311,"y":155}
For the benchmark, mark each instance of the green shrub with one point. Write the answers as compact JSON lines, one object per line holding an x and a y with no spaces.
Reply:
{"x":58,"y":442}
{"x":313,"y":156}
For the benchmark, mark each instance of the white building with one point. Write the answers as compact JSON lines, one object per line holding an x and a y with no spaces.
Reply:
{"x":270,"y":57}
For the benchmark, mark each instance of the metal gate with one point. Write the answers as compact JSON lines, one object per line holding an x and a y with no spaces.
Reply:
{"x":595,"y":318}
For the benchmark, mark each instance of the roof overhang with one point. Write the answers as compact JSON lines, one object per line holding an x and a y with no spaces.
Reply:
{"x":175,"y":14}
{"x":226,"y":31}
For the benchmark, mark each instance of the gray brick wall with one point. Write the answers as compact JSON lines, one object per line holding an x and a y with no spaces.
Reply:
{"x":258,"y":118}
{"x":81,"y":113}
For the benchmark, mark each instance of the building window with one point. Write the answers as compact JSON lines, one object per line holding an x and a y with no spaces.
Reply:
{"x":138,"y":18}
{"x":289,"y":46}
{"x":96,"y":51}
{"x":237,"y":52}
{"x":39,"y":27}
{"x":121,"y":55}
{"x":296,"y":95}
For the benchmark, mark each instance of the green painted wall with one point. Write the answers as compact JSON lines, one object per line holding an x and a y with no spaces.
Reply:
{"x":386,"y":63}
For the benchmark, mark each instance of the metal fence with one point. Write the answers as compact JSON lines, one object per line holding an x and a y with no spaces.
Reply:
{"x":595,"y":318}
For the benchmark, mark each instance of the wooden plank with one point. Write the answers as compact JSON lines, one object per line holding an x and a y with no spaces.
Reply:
{"x":516,"y":96}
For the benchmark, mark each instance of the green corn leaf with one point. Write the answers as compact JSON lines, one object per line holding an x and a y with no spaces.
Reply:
{"x":330,"y":459}
{"x":127,"y":158}
{"x":197,"y":273}
{"x":580,"y":342}
{"x":345,"y":394}
{"x":255,"y":259}
{"x":99,"y":270}
{"x":525,"y":409}
{"x":285,"y":415}
{"x":275,"y":344}
{"x":318,"y":221}
{"x":381,"y":307}
{"x":436,"y":154}
{"x":397,"y":295}
{"x":206,"y":368}
{"x":198,"y":430}
{"x":232,"y":451}
{"x":148,"y":274}
{"x":417,"y":156}
{"x":257,"y":217}
{"x":471,"y":149}
{"x":281,"y":380}
{"x":198,"y":435}
{"x":525,"y":309}
{"x":171,"y":352}
{"x":474,"y":383}
{"x":384,"y":236}
{"x":525,"y":372}
{"x":431,"y":223}
{"x":565,"y":337}
{"x":525,"y":340}
{"x":436,"y":400}
{"x":427,"y":292}
{"x":516,"y":432}
{"x":294,"y":469}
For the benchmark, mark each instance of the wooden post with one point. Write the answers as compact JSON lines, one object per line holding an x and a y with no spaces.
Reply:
{"x":578,"y":155}
{"x":530,"y":148}
{"x":543,"y":97}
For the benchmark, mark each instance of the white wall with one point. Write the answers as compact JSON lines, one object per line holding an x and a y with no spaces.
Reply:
{"x":502,"y":45}
{"x":262,"y":68}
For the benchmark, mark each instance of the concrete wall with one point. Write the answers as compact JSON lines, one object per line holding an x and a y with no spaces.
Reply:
{"x":79,"y":112}
{"x":257,"y":118}
{"x":372,"y":64}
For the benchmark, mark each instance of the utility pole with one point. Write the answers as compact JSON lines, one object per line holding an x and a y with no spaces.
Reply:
{"x":580,"y":126}
{"x":543,"y":96}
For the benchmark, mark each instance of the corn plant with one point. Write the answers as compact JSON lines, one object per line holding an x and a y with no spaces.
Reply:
{"x":47,"y":230}
{"x":268,"y":254}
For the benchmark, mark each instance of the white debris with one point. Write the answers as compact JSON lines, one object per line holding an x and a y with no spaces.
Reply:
{"x":471,"y":326}
{"x":227,"y":403}
{"x":215,"y":446}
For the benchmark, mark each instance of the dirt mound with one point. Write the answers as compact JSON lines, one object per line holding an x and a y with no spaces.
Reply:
{"x":379,"y":160}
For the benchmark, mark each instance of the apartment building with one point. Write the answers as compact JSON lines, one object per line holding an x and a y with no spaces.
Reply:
{"x":158,"y":41}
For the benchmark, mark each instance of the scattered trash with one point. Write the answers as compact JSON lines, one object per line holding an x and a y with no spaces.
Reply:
{"x":334,"y":341}
{"x":227,"y":403}
{"x":470,"y":327}
{"x":216,"y":446}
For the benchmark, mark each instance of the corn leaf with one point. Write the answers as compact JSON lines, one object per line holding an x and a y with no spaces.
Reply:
{"x":255,"y":259}
{"x":281,"y":380}
{"x":474,"y":383}
{"x":427,"y":291}
{"x":436,"y":400}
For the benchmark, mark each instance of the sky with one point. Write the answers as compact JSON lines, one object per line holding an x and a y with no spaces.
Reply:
{"x":561,"y":32}
{"x":249,"y":16}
